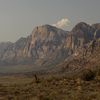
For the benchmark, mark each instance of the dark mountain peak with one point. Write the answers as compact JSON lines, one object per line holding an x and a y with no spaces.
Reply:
{"x":81,"y":26}
{"x":84,"y":31}
{"x":96,"y":26}
{"x":84,"y":26}
{"x":82,"y":23}
{"x":97,"y":30}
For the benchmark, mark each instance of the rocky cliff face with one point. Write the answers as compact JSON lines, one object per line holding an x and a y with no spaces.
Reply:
{"x":13,"y":53}
{"x":46,"y":41}
{"x":97,"y":30}
{"x":47,"y":44}
{"x":84,"y":33}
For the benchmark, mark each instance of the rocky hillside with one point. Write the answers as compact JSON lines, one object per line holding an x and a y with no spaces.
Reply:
{"x":84,"y":33}
{"x":46,"y":42}
{"x":47,"y":45}
{"x":77,"y":63}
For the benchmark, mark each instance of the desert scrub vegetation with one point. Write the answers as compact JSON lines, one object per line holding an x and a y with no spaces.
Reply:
{"x":51,"y":87}
{"x":88,"y":75}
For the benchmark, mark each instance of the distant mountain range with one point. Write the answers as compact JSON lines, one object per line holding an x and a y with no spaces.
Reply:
{"x":47,"y":45}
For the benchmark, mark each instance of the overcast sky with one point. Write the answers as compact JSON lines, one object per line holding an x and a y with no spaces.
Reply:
{"x":19,"y":17}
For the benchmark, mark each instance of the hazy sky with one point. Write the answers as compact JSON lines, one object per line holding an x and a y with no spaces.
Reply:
{"x":19,"y":17}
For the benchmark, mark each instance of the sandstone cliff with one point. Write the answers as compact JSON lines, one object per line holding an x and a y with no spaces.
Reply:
{"x":47,"y":45}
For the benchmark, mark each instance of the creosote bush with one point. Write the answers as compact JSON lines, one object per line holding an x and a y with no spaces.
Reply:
{"x":98,"y":72}
{"x":88,"y":75}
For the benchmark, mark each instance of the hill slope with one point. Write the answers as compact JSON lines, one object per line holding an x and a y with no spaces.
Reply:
{"x":47,"y":46}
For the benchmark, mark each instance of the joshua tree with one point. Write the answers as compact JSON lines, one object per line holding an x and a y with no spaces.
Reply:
{"x":36,"y":78}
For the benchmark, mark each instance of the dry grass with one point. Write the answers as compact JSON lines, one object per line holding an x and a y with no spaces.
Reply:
{"x":51,"y":87}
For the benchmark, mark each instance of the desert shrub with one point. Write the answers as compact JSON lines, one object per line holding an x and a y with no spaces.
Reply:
{"x":98,"y":72}
{"x":44,"y":97}
{"x":88,"y":75}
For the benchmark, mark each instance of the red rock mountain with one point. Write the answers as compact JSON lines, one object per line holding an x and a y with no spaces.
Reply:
{"x":47,"y":45}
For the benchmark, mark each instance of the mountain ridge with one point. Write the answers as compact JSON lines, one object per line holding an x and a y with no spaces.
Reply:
{"x":47,"y":45}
